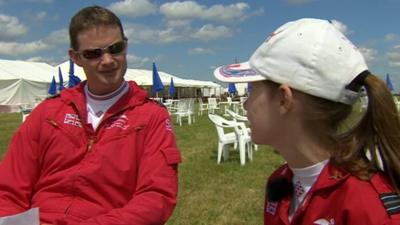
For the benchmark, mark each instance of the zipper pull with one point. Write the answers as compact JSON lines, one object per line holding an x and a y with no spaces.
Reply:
{"x":90,"y":143}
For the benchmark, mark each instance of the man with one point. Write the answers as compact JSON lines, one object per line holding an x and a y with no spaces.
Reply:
{"x":100,"y":153}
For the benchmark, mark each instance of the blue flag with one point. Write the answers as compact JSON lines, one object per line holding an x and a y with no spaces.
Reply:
{"x":73,"y":79}
{"x":157,"y":84}
{"x":389,"y":82}
{"x":232,"y":88}
{"x":53,"y":87}
{"x":60,"y":77}
{"x":71,"y":67}
{"x":171,"y":88}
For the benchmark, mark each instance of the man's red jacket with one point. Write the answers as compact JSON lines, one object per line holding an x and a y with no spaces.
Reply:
{"x":336,"y":198}
{"x":125,"y":172}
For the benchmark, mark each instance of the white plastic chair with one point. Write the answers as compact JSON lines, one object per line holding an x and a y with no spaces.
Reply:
{"x":240,"y":118}
{"x":172,"y":105}
{"x":26,"y":109}
{"x":397,"y":103}
{"x":185,"y":109}
{"x":227,"y":105}
{"x":212,"y":105}
{"x":241,"y":105}
{"x":202,"y":107}
{"x":237,"y":116}
{"x":239,"y":136}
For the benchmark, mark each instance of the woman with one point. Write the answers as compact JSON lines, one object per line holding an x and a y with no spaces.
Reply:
{"x":305,"y":79}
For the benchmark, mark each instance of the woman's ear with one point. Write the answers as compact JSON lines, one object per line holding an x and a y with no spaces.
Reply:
{"x":285,"y":98}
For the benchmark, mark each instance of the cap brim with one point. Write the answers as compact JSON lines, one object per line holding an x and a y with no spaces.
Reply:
{"x":237,"y":73}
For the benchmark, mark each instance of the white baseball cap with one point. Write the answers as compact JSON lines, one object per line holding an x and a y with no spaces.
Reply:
{"x":309,"y":55}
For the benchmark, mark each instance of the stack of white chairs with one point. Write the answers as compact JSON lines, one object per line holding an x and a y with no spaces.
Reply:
{"x":227,"y":105}
{"x":172,"y":105}
{"x":240,"y":136}
{"x":239,"y":118}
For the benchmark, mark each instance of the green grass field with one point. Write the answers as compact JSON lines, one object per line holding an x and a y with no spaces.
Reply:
{"x":208,"y":193}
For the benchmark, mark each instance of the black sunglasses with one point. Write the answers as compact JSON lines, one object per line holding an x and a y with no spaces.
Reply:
{"x":96,"y":53}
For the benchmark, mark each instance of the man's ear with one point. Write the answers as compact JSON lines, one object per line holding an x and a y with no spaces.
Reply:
{"x":74,"y":57}
{"x":285,"y":98}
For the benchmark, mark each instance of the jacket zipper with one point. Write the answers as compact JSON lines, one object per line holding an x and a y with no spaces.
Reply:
{"x":92,"y":138}
{"x":90,"y":143}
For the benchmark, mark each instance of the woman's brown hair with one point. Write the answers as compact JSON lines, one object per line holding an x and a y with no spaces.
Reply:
{"x":373,"y":140}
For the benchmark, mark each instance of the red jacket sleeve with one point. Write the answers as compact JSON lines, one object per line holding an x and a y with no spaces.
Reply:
{"x":157,"y":183}
{"x":19,"y":168}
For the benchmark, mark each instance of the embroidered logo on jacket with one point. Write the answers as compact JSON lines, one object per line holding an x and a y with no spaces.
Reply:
{"x":72,"y":119}
{"x":271,"y":207}
{"x":168,"y":124}
{"x":324,"y":222}
{"x":119,"y":122}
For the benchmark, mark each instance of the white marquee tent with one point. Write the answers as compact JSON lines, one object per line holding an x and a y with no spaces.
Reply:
{"x":23,"y":82}
{"x":26,"y":83}
{"x":144,"y":77}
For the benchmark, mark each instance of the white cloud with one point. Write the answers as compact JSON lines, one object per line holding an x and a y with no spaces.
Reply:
{"x":50,"y":61}
{"x":11,"y":28}
{"x":209,"y":32}
{"x":392,"y":37}
{"x":133,"y":8}
{"x":35,"y":16}
{"x":169,"y":35}
{"x":182,"y":10}
{"x":341,"y":26}
{"x":368,"y":53}
{"x":299,"y":2}
{"x":196,"y":51}
{"x":174,"y":33}
{"x":57,"y":37}
{"x":15,"y":49}
{"x":193,"y":10}
{"x":140,"y":34}
{"x":227,"y":13}
{"x":40,"y":16}
{"x":394,"y":56}
{"x":178,"y":23}
{"x":136,"y":61}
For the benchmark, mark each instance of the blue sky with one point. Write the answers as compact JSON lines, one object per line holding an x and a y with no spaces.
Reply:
{"x":191,"y":38}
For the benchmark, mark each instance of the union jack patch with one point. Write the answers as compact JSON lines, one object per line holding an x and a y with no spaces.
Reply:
{"x":72,"y":119}
{"x":271,"y":207}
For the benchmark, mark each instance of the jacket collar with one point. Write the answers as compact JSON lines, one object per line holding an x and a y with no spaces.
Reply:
{"x":330,"y":176}
{"x":75,"y":96}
